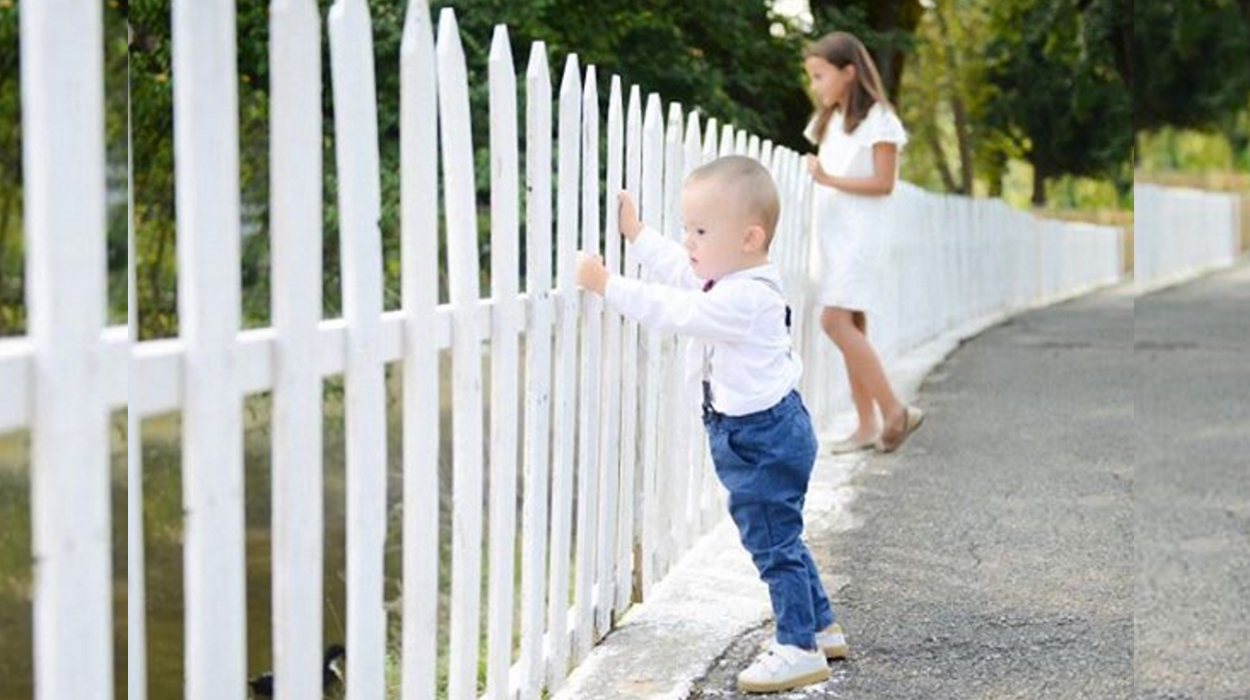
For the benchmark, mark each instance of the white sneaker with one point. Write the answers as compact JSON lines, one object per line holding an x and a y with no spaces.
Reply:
{"x":783,"y":667}
{"x":832,"y":642}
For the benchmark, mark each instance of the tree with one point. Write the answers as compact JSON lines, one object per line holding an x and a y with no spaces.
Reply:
{"x":1055,"y":95}
{"x":719,"y":55}
{"x":1190,"y":61}
{"x":944,"y":89}
{"x":885,"y":26}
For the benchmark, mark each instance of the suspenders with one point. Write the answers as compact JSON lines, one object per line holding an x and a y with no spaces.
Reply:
{"x":707,"y":352}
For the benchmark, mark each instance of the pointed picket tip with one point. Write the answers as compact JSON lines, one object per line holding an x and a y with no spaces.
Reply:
{"x":692,"y":126}
{"x":652,"y":117}
{"x":590,"y":88}
{"x":449,"y":34}
{"x":341,"y":8}
{"x":674,"y":116}
{"x":417,"y":28}
{"x":635,"y":96}
{"x":614,"y":94}
{"x":572,"y":76}
{"x":500,"y":47}
{"x":538,"y":60}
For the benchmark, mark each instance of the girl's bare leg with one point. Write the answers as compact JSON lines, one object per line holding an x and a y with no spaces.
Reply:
{"x":862,"y":365}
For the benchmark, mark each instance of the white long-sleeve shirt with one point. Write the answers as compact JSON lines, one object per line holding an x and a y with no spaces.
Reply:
{"x":741,"y":320}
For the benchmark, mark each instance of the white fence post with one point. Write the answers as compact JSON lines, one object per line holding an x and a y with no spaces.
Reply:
{"x":610,"y":444}
{"x":462,"y":254}
{"x":418,"y":145}
{"x":295,"y":176}
{"x":591,"y":403}
{"x":206,"y":140}
{"x":505,"y":324}
{"x":64,"y":219}
{"x":566,"y":364}
{"x":650,"y":209}
{"x":537,"y":367}
{"x":630,"y":534}
{"x":360,"y":243}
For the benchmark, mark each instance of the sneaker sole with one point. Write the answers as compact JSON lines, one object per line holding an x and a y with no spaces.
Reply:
{"x":814,"y":677}
{"x":836,"y":652}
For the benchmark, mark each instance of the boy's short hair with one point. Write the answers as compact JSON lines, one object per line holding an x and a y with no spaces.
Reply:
{"x":750,"y":185}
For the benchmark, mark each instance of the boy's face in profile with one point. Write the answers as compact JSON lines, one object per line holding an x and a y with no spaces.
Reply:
{"x":717,"y":234}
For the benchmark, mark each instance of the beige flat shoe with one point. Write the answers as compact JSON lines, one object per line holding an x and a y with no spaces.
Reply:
{"x":850,"y":445}
{"x":891,"y":440}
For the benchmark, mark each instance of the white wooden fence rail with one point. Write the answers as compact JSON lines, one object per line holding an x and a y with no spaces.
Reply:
{"x":1181,"y":232}
{"x":616,"y":484}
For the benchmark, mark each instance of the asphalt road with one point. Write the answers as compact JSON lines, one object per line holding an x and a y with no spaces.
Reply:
{"x":995,"y":552}
{"x":1192,"y":392}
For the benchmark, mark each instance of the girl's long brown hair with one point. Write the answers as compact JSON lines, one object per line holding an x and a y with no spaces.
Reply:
{"x":842,"y":49}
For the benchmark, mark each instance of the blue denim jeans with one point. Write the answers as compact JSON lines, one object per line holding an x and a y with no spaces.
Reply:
{"x":765,"y":460}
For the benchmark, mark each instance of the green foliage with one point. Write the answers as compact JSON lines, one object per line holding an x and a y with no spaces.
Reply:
{"x":12,"y":250}
{"x":720,"y":55}
{"x":1190,"y":59}
{"x":1056,"y":94}
{"x":12,"y":309}
{"x":887,"y":28}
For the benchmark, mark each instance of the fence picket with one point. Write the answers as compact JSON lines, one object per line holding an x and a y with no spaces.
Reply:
{"x":295,"y":175}
{"x":611,"y":443}
{"x":591,"y":404}
{"x":566,"y":365}
{"x":629,"y":583}
{"x":674,"y":430}
{"x":504,"y":234}
{"x":652,"y":213}
{"x":62,"y":79}
{"x":360,"y":242}
{"x":462,"y":254}
{"x":418,"y":145}
{"x":207,"y":172}
{"x":537,"y":367}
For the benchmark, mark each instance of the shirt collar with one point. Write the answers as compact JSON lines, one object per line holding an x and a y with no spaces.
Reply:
{"x":766,"y":270}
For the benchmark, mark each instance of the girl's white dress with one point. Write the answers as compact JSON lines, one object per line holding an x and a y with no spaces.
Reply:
{"x":851,"y":229}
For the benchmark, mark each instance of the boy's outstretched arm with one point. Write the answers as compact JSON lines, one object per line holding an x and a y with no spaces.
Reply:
{"x":659,"y":255}
{"x":707,"y":316}
{"x":592,"y":275}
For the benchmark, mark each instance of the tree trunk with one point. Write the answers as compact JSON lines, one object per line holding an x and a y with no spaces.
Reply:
{"x":1039,"y":186}
{"x":6,"y":211}
{"x":999,"y":165}
{"x":939,"y":158}
{"x":962,"y":135}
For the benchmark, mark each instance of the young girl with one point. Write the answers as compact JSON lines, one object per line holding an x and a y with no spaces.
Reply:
{"x":859,"y":138}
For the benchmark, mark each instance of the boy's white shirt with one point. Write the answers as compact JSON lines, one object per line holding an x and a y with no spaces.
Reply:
{"x":740,"y":319}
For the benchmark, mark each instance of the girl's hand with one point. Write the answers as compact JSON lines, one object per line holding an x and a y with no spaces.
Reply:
{"x":591,"y":273}
{"x":815,"y":170}
{"x":631,"y":225}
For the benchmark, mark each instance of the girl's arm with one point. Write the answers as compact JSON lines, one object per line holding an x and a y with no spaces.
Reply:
{"x":881,"y":183}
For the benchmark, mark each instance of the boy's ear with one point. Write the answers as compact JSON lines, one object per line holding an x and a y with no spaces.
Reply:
{"x":756,"y":240}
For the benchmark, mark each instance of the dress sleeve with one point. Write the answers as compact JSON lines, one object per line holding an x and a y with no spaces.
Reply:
{"x":883,"y":126}
{"x":810,"y":132}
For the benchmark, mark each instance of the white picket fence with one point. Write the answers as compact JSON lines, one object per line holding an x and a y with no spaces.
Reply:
{"x":1181,"y":232}
{"x":607,"y":407}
